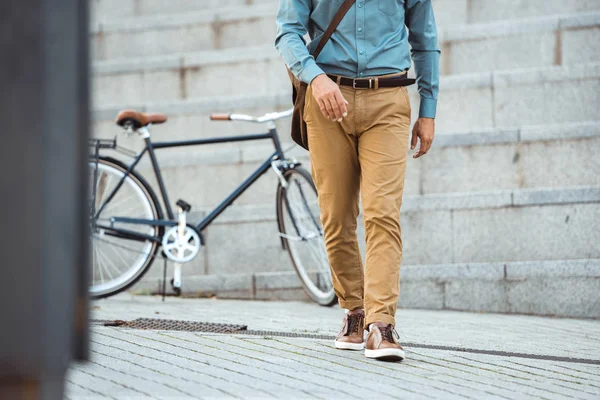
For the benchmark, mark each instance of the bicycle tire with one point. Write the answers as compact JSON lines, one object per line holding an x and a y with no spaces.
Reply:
{"x":281,"y":192}
{"x":158,"y":214}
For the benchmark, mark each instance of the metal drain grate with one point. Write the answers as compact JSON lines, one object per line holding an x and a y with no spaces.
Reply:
{"x":174,"y":325}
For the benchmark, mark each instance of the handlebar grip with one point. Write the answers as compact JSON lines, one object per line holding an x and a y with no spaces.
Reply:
{"x":220,"y":117}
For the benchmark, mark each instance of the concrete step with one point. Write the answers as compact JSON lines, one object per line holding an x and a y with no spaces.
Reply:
{"x":101,"y":10}
{"x":527,"y":157}
{"x":448,"y":12}
{"x":539,"y":42}
{"x":179,"y":33}
{"x":483,"y":227}
{"x":562,"y":39}
{"x":491,"y":226}
{"x":567,"y":288}
{"x":468,"y":101}
{"x":475,"y":11}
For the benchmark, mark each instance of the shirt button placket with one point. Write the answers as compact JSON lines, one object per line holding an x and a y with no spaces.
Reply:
{"x":360,"y":36}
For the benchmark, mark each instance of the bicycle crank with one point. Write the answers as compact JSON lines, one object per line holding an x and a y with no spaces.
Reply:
{"x":181,"y":245}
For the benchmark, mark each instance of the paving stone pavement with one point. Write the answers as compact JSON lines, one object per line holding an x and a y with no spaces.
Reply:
{"x":141,"y":364}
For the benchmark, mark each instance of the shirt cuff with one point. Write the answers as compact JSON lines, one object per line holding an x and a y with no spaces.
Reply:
{"x":310,"y":72}
{"x":428,"y":107}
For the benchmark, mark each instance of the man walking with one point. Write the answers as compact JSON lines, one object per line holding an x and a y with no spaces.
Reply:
{"x":357,"y":114}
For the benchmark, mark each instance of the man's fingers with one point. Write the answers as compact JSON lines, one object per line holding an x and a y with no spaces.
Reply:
{"x":414,"y":140}
{"x":337,"y":113}
{"x":324,"y":106}
{"x":329,"y":108}
{"x":333,"y":106}
{"x":425,"y":146}
{"x":342,"y":103}
{"x":420,"y":153}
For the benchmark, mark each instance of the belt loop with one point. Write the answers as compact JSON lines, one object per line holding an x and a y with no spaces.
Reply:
{"x":339,"y":80}
{"x":376,"y":83}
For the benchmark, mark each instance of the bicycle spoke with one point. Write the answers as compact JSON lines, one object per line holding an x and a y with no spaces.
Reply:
{"x":108,"y":270}
{"x":100,"y":268}
{"x":101,"y":187}
{"x":94,"y":262}
{"x":107,"y":261}
{"x":115,"y":268}
{"x":119,"y":204}
{"x":120,"y":245}
{"x":114,"y":249}
{"x":318,"y":258}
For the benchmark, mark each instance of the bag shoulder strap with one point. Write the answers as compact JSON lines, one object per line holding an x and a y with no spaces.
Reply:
{"x":337,"y":18}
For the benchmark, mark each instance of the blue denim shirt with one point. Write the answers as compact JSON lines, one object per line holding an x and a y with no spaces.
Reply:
{"x":371,"y":40}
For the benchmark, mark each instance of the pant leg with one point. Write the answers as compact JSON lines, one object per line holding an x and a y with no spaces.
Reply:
{"x":382,"y":151}
{"x":336,"y":172}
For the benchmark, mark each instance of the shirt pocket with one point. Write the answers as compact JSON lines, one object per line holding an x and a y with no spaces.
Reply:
{"x":390,"y":7}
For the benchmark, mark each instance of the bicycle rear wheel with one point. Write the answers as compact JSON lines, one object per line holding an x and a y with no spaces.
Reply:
{"x":300,"y":226}
{"x":119,"y":261}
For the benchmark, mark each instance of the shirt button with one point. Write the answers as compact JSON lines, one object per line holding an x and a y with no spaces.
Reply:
{"x":361,"y":52}
{"x":360,"y":29}
{"x":361,"y":74}
{"x":360,"y":5}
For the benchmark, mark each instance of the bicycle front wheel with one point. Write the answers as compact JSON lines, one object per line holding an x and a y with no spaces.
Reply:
{"x":119,"y":259}
{"x":302,"y":235}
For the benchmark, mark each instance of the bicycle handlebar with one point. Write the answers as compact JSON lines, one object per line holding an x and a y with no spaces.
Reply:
{"x":268,"y":117}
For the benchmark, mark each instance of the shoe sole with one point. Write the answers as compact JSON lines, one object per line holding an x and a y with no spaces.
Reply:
{"x":349,"y":346}
{"x":386,"y":354}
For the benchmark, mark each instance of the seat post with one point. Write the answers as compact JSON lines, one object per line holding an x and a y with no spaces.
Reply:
{"x":144,"y":131}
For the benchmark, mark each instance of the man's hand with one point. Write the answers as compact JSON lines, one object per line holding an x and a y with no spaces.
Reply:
{"x":329,"y":97}
{"x":424,"y":130}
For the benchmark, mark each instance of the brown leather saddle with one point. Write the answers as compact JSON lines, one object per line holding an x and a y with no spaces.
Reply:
{"x":139,"y":119}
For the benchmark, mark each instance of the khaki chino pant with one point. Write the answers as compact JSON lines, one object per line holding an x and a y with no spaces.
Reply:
{"x":366,"y":153}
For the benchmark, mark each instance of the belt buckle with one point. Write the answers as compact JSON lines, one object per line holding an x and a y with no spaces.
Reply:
{"x":360,"y":88}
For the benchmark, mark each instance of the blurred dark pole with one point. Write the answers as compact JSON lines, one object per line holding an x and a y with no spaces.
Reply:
{"x":44,"y":127}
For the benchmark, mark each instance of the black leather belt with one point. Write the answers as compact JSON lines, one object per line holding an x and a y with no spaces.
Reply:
{"x":373,"y":82}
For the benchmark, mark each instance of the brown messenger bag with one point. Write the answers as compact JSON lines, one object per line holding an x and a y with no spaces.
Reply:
{"x":299,"y":134}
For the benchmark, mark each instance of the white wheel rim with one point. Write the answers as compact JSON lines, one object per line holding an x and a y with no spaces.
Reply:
{"x":106,"y":248}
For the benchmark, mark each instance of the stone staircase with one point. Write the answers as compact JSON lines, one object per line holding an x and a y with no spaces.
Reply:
{"x":502,"y":216}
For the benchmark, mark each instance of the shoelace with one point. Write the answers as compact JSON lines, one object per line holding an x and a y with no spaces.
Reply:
{"x":354,"y":322}
{"x":388,"y":333}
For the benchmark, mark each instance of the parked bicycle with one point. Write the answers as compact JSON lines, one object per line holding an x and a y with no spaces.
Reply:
{"x":129,"y":225}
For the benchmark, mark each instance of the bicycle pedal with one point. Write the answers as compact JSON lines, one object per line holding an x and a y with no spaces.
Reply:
{"x":184,"y":205}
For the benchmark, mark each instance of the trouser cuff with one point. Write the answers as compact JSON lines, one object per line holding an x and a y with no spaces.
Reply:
{"x":352,"y":304}
{"x":385,"y":318}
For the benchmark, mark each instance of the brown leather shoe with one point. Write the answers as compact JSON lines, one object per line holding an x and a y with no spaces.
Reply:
{"x":382,"y":344}
{"x":351,"y":337}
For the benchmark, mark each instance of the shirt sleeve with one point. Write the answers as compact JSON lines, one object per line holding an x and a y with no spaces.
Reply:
{"x":422,"y":36}
{"x":292,"y":23}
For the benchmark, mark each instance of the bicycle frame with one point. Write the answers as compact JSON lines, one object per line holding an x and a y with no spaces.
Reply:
{"x":151,"y":147}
